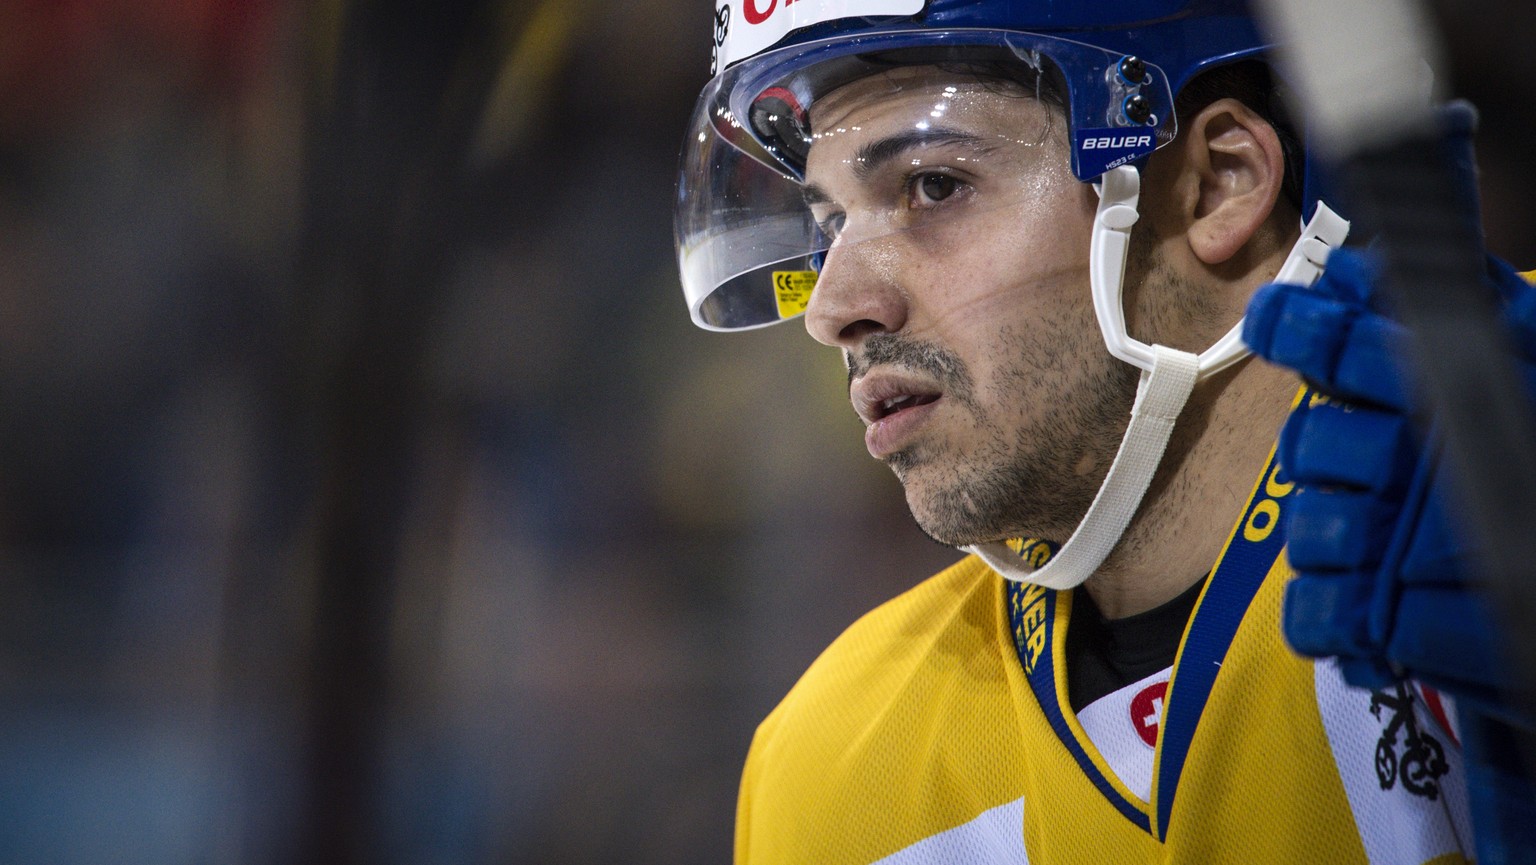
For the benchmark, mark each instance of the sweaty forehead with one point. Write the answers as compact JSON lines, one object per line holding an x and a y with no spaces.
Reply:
{"x":909,"y":95}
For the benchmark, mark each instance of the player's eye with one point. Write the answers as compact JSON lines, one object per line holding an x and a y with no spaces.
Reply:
{"x":932,"y":187}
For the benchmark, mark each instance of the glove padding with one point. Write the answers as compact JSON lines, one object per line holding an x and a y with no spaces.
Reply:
{"x":1383,"y":576}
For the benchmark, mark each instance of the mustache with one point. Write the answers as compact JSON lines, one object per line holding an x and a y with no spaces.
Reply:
{"x":889,"y":349}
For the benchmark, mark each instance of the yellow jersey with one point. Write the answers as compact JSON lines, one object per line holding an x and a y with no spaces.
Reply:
{"x":936,"y":731}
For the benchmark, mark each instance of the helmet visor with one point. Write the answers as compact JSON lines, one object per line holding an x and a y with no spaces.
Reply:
{"x":850,"y":141}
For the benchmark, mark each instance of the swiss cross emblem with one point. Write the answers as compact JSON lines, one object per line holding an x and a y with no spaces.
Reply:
{"x":1147,"y":712}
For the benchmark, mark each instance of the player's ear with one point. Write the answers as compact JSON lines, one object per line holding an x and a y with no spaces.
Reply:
{"x":1233,"y":173}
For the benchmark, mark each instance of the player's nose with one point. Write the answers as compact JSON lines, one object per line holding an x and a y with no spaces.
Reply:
{"x":856,"y":294}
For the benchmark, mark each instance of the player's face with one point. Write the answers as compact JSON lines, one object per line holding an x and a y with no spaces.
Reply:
{"x":958,"y":288}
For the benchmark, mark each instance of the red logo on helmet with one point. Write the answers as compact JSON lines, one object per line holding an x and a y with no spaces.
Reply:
{"x":749,"y":10}
{"x":1147,"y":712}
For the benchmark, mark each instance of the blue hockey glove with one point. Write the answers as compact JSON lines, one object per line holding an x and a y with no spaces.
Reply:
{"x":1383,"y":576}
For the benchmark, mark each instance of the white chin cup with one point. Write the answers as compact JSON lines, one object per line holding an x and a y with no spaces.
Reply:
{"x":1168,"y":376}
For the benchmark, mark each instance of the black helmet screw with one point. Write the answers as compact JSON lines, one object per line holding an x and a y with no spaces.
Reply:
{"x":1137,"y":109}
{"x":1133,"y":70}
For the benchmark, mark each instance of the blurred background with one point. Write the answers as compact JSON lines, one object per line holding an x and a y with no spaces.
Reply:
{"x":365,"y":493}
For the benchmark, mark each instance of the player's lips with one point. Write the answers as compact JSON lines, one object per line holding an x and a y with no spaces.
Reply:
{"x":892,"y":406}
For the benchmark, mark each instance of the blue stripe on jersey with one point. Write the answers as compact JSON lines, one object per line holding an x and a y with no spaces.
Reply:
{"x":1042,"y":680}
{"x":1251,"y":551}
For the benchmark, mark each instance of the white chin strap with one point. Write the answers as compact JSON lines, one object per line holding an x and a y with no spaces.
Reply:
{"x":1167,"y":378}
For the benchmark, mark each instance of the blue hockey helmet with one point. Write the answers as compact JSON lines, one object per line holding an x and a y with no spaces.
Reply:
{"x":747,"y":243}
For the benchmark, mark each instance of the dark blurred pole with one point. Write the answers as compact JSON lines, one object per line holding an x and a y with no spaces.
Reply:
{"x":387,"y":136}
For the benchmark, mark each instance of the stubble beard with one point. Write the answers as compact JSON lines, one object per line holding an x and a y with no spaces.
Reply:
{"x":1058,"y":409}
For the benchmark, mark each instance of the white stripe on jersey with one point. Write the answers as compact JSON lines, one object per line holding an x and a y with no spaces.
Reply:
{"x":994,"y":837}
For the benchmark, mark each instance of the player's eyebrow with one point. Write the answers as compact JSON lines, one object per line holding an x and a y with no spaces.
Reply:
{"x":877,"y":153}
{"x":872,"y":156}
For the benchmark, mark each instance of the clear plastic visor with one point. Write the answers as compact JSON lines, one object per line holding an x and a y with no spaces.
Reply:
{"x":807,"y":152}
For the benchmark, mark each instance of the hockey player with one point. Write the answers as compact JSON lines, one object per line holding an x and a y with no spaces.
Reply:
{"x":1032,"y":228}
